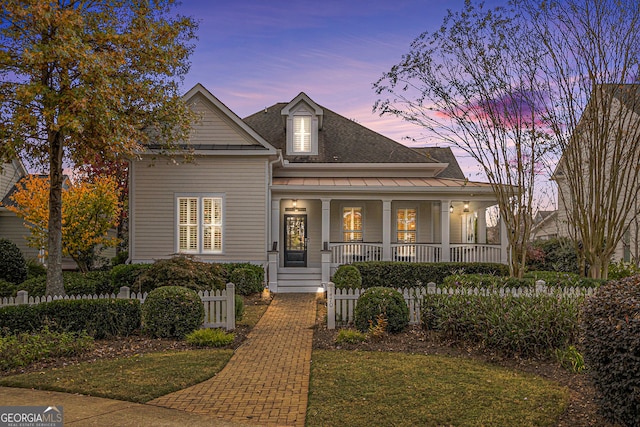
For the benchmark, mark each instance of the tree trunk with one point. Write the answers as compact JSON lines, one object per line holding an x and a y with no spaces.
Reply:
{"x":55,"y":285}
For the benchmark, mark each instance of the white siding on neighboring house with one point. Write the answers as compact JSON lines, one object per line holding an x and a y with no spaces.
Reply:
{"x":241,"y":181}
{"x":12,"y":228}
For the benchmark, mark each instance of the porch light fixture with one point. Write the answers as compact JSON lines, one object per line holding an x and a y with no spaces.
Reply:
{"x":450,"y":208}
{"x":295,"y":203}
{"x":466,"y":207}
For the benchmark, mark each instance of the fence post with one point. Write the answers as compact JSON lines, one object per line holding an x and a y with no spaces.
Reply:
{"x":231,"y":306}
{"x":22,"y":297}
{"x":540,"y":286}
{"x":431,"y":288}
{"x":331,"y":305}
{"x":125,"y":293}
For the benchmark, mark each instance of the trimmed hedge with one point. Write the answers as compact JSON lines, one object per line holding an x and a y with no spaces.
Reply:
{"x":347,"y":277}
{"x":379,"y":300}
{"x":75,"y":283}
{"x":246,"y":281}
{"x":13,"y":267}
{"x":610,"y":328}
{"x":551,"y":279}
{"x":100,"y":318}
{"x":126,"y":274}
{"x":226,"y":271}
{"x":172,"y":312}
{"x":411,"y":275}
{"x":525,"y":326}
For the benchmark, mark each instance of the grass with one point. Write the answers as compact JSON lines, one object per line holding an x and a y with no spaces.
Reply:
{"x":252,"y":313}
{"x":139,"y":378}
{"x":398,"y":389}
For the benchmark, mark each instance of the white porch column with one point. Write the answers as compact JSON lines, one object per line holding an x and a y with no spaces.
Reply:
{"x":482,"y":226}
{"x":275,"y":223}
{"x":504,"y":243}
{"x":386,"y":230}
{"x":326,"y":238}
{"x":445,"y":220}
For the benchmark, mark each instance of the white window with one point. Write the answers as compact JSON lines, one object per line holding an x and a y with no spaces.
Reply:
{"x":352,"y":224}
{"x":302,"y":134}
{"x":199,"y":224}
{"x":406,"y":225}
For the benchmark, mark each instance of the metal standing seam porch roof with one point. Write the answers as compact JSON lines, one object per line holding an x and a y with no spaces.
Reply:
{"x":364,"y":183}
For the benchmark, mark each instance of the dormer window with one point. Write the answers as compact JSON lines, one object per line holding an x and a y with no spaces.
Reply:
{"x":302,"y":134}
{"x":303,"y":119}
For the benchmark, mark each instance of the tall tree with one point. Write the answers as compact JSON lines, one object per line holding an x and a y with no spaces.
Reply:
{"x":473,"y":83}
{"x":592,"y":68}
{"x":80,"y":78}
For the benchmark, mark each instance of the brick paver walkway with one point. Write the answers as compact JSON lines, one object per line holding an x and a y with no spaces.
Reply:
{"x":266,"y":382}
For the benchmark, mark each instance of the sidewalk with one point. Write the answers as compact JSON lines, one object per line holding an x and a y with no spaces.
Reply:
{"x":265,"y":383}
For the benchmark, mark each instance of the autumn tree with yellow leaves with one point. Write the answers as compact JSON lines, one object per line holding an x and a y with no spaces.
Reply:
{"x":89,"y":211}
{"x":85,"y":78}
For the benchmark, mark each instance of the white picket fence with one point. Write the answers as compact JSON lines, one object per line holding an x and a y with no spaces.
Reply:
{"x":341,"y":303}
{"x":219,"y":305}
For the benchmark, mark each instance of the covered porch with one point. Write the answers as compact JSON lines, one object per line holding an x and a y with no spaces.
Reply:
{"x":313,"y":234}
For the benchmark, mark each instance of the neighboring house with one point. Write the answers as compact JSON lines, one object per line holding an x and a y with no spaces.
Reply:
{"x":11,"y":226}
{"x":545,"y":225}
{"x":622,"y":104}
{"x":301,"y":189}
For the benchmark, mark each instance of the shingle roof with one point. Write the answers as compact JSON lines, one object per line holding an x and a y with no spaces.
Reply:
{"x":443,"y":155}
{"x":340,"y":141}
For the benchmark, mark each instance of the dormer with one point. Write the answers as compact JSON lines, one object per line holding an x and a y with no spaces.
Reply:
{"x":303,"y":119}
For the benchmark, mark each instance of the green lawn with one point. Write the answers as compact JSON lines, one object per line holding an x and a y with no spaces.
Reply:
{"x":137,"y":379}
{"x":396,"y":389}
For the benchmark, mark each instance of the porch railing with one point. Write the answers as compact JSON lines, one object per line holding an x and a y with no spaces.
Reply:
{"x":347,"y":253}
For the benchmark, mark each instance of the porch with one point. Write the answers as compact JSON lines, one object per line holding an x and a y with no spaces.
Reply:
{"x":312,"y":237}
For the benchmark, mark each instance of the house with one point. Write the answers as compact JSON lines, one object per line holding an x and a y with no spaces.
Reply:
{"x":608,"y":133}
{"x":545,"y":225}
{"x":301,"y":189}
{"x":11,"y":226}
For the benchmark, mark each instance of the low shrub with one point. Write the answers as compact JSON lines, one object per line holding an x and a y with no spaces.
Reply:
{"x":561,"y":279}
{"x":99,"y":318}
{"x":7,"y":289}
{"x":410,"y":275}
{"x":239,"y":307}
{"x":172,"y":312}
{"x":75,"y":283}
{"x":621,"y":269}
{"x":13,"y":267}
{"x":35,"y":286}
{"x":350,"y":336}
{"x":102,"y":282}
{"x":17,"y":351}
{"x":210,"y":338}
{"x":553,"y":255}
{"x":485,"y":281}
{"x":35,"y":268}
{"x":381,"y":301}
{"x":610,"y":327}
{"x":347,"y":277}
{"x":126,"y":275}
{"x":226,"y":270}
{"x":178,"y":271}
{"x":526,"y":326}
{"x":246,"y":281}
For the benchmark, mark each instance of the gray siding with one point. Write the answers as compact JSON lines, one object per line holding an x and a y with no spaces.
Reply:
{"x":9,"y":175}
{"x":241,"y":181}
{"x":214,"y":127}
{"x":12,"y":228}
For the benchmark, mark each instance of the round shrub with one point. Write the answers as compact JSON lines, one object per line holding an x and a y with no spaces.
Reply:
{"x":13,"y":267}
{"x":172,"y":312}
{"x":178,"y":271}
{"x":610,"y":327}
{"x":382,"y":301}
{"x":347,"y":277}
{"x":246,"y":281}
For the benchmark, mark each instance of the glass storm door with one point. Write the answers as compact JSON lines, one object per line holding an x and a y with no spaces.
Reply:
{"x":295,"y":240}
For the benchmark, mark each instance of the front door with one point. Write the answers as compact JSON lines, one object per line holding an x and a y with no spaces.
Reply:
{"x":295,"y":240}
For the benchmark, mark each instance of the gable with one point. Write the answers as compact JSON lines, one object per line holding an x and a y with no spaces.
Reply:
{"x":214,"y":127}
{"x":10,"y":174}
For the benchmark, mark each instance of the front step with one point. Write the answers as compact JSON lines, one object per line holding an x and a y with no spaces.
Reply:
{"x":299,"y":280}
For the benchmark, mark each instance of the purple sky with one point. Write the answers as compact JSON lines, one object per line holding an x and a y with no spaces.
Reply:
{"x":254,"y":53}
